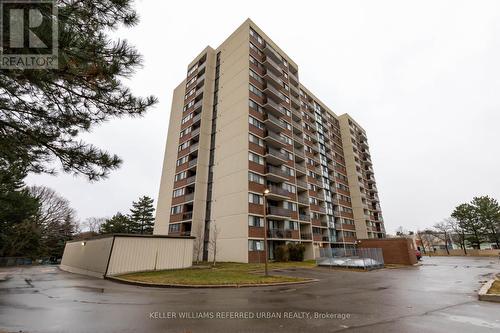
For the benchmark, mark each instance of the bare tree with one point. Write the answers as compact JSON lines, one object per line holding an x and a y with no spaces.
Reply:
{"x":198,"y":242}
{"x":457,"y":233}
{"x":443,"y":229}
{"x":427,"y":238}
{"x":213,"y":240}
{"x":93,"y":224}
{"x":54,"y":209}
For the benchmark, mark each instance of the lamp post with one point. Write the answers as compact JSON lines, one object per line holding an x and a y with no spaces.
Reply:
{"x":266,"y":192}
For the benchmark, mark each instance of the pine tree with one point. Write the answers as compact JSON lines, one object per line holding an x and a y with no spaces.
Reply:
{"x":142,"y":215}
{"x":43,"y":112}
{"x":118,"y":224}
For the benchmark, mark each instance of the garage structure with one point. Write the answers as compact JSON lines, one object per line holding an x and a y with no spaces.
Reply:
{"x":123,"y":253}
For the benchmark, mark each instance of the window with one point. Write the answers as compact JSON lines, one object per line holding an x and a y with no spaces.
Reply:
{"x":174,"y":227}
{"x":293,"y":225}
{"x":184,"y":145}
{"x":256,"y":158}
{"x":182,"y":160}
{"x":253,"y":177}
{"x":187,"y":118}
{"x":255,"y":122}
{"x":256,"y":76}
{"x":255,"y":139}
{"x":256,"y":91}
{"x":255,"y":106}
{"x":256,"y":49}
{"x":255,"y":221}
{"x":286,"y":138}
{"x":185,"y":131}
{"x":255,"y":245}
{"x":255,"y":199}
{"x":192,"y":69}
{"x":178,"y":192}
{"x":176,"y":210}
{"x":290,"y":205}
{"x":180,"y":176}
{"x":191,"y":92}
{"x":288,"y":171}
{"x":190,"y":104}
{"x":190,"y":82}
{"x":288,"y":187}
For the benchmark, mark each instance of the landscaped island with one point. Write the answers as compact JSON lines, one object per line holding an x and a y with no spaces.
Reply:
{"x":221,"y":275}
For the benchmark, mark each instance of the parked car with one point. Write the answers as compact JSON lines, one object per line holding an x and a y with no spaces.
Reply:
{"x":418,"y":254}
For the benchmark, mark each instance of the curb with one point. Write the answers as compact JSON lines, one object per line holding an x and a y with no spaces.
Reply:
{"x":170,"y":285}
{"x":483,"y":293}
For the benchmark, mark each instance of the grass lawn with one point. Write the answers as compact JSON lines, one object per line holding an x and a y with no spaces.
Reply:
{"x":495,"y":288}
{"x":222,"y":273}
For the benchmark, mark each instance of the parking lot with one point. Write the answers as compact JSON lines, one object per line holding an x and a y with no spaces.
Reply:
{"x":439,"y":296}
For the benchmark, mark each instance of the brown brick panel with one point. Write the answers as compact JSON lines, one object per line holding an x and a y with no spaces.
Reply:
{"x":395,"y":250}
{"x":256,"y":187}
{"x":256,"y":148}
{"x":260,"y":71}
{"x":252,"y":166}
{"x":256,"y":256}
{"x":343,"y":192}
{"x":256,"y":114}
{"x":348,"y":215}
{"x":348,"y":226}
{"x":345,"y":203}
{"x":255,"y":209}
{"x":256,"y":83}
{"x":256,"y":232}
{"x":256,"y":98}
{"x":255,"y":130}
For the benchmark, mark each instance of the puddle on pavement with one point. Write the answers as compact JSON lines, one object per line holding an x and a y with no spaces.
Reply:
{"x":90,"y":289}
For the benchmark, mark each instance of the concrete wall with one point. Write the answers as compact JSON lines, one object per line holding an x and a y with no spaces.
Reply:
{"x":89,"y":259}
{"x":132,"y":253}
{"x":395,"y":250}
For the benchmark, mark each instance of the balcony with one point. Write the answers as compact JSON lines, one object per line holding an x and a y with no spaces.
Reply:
{"x":304,"y":217}
{"x":192,"y":163}
{"x":274,"y":108}
{"x":194,"y":147}
{"x":295,"y":102}
{"x":273,"y":79}
{"x":300,"y":168}
{"x":197,"y":105}
{"x":275,"y":123}
{"x":278,"y":211}
{"x":274,"y":94}
{"x":196,"y":118}
{"x":270,"y":52}
{"x":302,"y":184}
{"x":190,"y":180}
{"x":275,"y":156}
{"x":274,"y":139}
{"x":276,"y":174}
{"x":306,"y":236}
{"x":293,"y":78}
{"x":200,"y":81}
{"x":303,"y":199}
{"x":279,"y":233}
{"x":278,"y":193}
{"x":273,"y":66}
{"x":294,"y":91}
{"x":195,"y":132}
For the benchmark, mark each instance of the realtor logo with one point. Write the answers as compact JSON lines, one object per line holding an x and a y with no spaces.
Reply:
{"x":29,"y":36}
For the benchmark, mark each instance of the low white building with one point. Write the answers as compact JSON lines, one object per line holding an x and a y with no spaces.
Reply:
{"x":122,"y":253}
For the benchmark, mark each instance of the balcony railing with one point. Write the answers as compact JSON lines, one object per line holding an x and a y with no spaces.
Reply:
{"x":187,"y":216}
{"x":303,"y":199}
{"x":279,"y":233}
{"x":304,"y":217}
{"x":272,"y":106}
{"x":276,"y":121}
{"x":192,"y":163}
{"x":276,"y":137}
{"x":276,"y":171}
{"x":273,"y":65}
{"x":279,"y":211}
{"x":301,"y":183}
{"x":306,"y":236}
{"x":276,"y":153}
{"x":274,"y":79}
{"x":274,"y":94}
{"x":278,"y":191}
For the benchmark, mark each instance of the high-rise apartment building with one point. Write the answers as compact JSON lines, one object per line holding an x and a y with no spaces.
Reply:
{"x":241,"y":122}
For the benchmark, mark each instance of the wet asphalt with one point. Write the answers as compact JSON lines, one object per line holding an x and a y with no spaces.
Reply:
{"x":439,"y":296}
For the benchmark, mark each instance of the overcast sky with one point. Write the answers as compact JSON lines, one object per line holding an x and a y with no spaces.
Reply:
{"x":422,"y":77}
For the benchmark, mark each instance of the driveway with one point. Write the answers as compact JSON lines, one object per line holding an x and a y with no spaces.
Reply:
{"x":439,"y":296}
